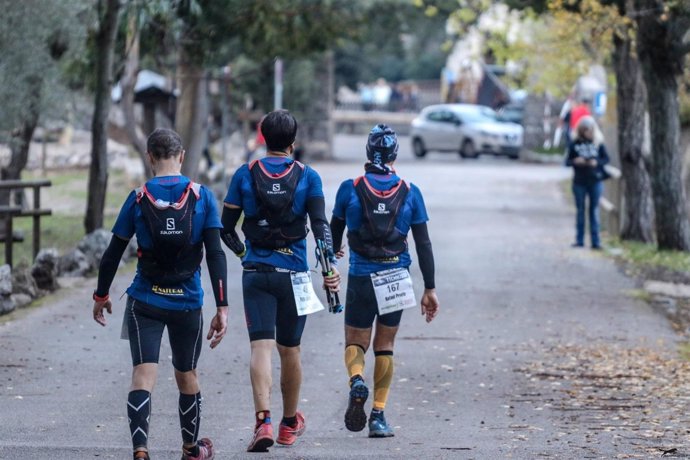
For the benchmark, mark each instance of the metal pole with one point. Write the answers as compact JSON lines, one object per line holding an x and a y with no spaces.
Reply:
{"x":330,"y":63}
{"x":224,"y":117}
{"x":278,"y":85}
{"x":37,"y":221}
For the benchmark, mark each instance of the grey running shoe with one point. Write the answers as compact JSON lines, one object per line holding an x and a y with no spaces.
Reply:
{"x":378,"y":427}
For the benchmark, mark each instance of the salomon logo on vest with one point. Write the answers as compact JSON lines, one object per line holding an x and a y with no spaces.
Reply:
{"x":381,"y":209}
{"x":170,"y":227}
{"x":276,"y":190}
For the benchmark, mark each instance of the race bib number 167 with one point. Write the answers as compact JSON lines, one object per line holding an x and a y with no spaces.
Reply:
{"x":393,"y":289}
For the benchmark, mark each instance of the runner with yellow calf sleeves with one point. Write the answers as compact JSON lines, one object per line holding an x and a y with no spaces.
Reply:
{"x":379,"y":210}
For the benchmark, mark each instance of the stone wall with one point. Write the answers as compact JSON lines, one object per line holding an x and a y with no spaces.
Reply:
{"x":22,"y":285}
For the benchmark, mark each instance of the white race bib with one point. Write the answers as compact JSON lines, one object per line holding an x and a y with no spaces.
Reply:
{"x":305,"y":298}
{"x":393,"y":289}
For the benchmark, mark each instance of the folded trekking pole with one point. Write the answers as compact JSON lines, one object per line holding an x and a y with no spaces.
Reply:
{"x":332,"y":297}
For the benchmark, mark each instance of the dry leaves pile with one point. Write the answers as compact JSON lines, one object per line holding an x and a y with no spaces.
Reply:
{"x":637,"y":401}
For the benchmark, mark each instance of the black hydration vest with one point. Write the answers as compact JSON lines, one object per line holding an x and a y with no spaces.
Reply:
{"x":172,"y":259}
{"x":377,"y":237}
{"x":275,"y":225}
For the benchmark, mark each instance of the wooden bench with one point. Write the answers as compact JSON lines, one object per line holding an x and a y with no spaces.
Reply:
{"x":9,"y":212}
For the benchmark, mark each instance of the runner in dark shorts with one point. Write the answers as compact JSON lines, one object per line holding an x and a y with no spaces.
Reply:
{"x":276,"y":194}
{"x":174,"y":220}
{"x":379,"y":209}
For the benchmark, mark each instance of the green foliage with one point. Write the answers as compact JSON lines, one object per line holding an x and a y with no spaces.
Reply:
{"x":461,"y":14}
{"x":35,"y":38}
{"x":562,"y":44}
{"x":266,"y":28}
{"x":647,"y":255}
{"x":404,"y":43}
{"x":537,"y":6}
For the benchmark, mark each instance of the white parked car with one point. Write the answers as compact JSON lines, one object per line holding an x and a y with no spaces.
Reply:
{"x":465,"y":128}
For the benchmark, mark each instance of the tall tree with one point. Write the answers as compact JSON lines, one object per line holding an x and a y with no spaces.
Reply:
{"x":34,"y":38}
{"x":265,"y":29}
{"x":662,"y":44}
{"x":192,"y":103}
{"x":128,"y":83}
{"x":108,"y":18}
{"x":631,"y":99}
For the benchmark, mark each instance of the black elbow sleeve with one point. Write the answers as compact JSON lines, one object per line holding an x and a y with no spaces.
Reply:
{"x":228,"y":235}
{"x":109,"y":264}
{"x":425,"y":254}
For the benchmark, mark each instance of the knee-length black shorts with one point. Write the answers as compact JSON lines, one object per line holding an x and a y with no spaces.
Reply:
{"x":270,"y":309}
{"x":145,"y":324}
{"x":361,"y":307}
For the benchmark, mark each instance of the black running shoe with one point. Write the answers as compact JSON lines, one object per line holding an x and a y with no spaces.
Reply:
{"x":355,"y":417}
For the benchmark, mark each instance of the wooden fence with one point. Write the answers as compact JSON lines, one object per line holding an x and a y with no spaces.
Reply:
{"x":10,"y":212}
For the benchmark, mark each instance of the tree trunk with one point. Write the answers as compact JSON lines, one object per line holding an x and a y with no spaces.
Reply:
{"x":317,"y":129}
{"x":128,"y":82}
{"x":661,"y":65}
{"x":98,"y":171}
{"x":638,"y":217}
{"x":21,"y":140}
{"x":192,"y":111}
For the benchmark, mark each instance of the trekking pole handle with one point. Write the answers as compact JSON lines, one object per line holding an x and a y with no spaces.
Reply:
{"x":334,"y":305}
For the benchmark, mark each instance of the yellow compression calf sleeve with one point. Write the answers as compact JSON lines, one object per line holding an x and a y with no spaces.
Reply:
{"x":354,"y":360}
{"x":383,"y":376}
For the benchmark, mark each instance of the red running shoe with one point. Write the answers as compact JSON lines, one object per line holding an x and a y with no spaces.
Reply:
{"x":287,"y":435}
{"x":205,"y":451}
{"x":262,"y":439}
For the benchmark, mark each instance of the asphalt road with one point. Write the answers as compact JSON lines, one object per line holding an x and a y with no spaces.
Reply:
{"x":510,"y":288}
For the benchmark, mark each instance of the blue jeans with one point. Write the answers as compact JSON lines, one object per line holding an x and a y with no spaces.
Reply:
{"x":581,"y":193}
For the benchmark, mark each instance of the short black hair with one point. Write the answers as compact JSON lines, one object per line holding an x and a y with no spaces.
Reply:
{"x":164,"y":143}
{"x":279,"y":129}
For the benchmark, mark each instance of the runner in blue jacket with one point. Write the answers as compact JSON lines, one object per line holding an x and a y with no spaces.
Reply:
{"x":173,"y":219}
{"x":379,"y":209}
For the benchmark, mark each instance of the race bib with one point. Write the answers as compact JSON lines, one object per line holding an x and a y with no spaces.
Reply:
{"x":305,"y":298}
{"x":393,"y":289}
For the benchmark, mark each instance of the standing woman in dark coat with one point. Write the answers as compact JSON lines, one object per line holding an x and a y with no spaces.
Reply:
{"x":587,"y":155}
